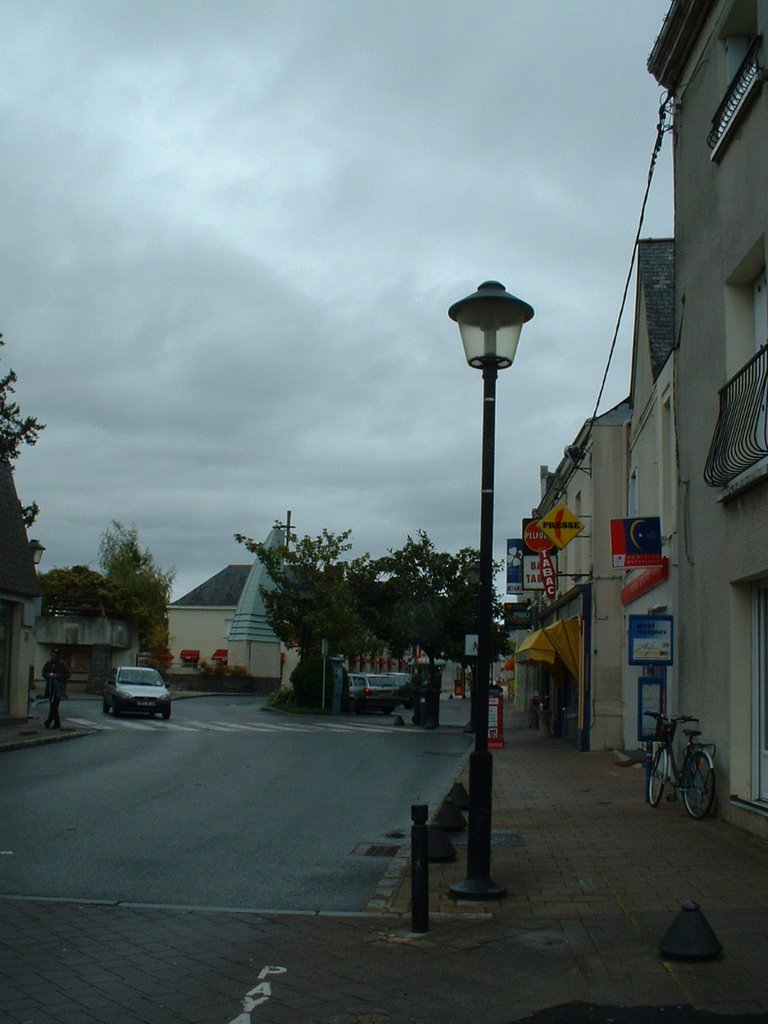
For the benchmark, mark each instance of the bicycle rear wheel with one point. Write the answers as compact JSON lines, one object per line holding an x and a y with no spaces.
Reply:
{"x":658,"y":776}
{"x":699,"y":784}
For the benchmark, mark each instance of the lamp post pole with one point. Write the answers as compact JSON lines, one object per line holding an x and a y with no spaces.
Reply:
{"x":490,"y":321}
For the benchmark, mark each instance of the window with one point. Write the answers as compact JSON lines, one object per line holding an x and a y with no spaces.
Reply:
{"x":740,"y":72}
{"x":740,"y":442}
{"x":760,"y":309}
{"x":760,"y":692}
{"x":667,"y":463}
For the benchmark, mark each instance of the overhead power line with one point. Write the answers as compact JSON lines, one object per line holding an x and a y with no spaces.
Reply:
{"x":662,"y":128}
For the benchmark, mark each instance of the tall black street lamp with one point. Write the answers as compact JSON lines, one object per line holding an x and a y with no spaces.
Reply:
{"x":490,"y":322}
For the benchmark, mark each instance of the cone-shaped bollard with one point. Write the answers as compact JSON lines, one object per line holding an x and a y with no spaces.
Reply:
{"x":441,"y":849}
{"x":460,"y":796}
{"x":690,"y":937}
{"x":450,"y":817}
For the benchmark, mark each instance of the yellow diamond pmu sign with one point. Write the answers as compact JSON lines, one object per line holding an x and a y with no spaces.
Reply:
{"x":560,"y":525}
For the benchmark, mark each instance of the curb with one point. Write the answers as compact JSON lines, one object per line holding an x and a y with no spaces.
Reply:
{"x":29,"y":740}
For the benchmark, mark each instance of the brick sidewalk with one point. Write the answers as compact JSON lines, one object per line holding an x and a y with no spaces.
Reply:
{"x":582,"y":855}
{"x":594,"y":877}
{"x":572,"y":834}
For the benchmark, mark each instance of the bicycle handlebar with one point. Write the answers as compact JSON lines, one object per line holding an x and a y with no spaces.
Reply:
{"x":671,"y":718}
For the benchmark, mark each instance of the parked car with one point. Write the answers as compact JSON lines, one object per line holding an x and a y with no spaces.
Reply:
{"x":405,"y":686}
{"x":136,"y":689}
{"x":371,"y":691}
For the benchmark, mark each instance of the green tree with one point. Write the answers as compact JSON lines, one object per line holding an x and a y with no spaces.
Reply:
{"x":79,"y":590}
{"x":307,"y":683}
{"x":310,"y":599}
{"x":16,"y":430}
{"x":137,"y":575}
{"x":417,"y":596}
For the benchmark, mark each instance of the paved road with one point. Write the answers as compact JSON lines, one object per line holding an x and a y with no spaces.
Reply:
{"x":225,"y":805}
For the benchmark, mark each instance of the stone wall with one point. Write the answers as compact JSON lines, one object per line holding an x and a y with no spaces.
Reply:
{"x":204,"y":683}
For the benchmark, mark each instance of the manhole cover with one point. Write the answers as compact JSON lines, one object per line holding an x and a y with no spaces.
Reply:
{"x":375,"y":850}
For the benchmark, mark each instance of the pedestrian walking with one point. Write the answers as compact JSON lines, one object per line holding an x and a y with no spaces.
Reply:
{"x":56,"y":674}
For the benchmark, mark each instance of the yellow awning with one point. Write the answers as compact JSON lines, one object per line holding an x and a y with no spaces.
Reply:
{"x":559,"y":640}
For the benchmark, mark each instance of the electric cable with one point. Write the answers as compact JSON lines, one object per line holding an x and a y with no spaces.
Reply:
{"x":662,"y":127}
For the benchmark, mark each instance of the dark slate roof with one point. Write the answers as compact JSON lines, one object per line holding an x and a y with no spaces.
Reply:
{"x":221,"y":591}
{"x":17,"y":568}
{"x":656,"y":270}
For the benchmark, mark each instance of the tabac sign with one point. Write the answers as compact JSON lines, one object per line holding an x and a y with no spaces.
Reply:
{"x":539,"y":566}
{"x":560,"y":525}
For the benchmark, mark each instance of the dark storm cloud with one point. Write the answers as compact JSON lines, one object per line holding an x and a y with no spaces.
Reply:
{"x":232,"y":232}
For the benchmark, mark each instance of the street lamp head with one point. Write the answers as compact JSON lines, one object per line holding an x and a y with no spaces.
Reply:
{"x":36,"y":550}
{"x":490,"y":321}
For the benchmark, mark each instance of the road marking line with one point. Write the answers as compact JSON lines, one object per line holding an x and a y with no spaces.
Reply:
{"x":258,"y":995}
{"x":89,"y":723}
{"x":150,"y":725}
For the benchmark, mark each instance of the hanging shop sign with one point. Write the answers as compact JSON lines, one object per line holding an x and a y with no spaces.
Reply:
{"x":534,"y":538}
{"x":548,"y":574}
{"x":534,"y":542}
{"x":515,"y":566}
{"x":560,"y":525}
{"x":518,"y":616}
{"x":636,"y":543}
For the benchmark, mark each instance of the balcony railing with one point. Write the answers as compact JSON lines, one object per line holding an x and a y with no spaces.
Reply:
{"x":742,"y":87}
{"x":741,"y":435}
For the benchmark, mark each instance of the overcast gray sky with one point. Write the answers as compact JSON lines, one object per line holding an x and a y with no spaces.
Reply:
{"x":232,"y":231}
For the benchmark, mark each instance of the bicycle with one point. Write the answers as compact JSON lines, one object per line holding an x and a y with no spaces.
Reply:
{"x":695,"y":779}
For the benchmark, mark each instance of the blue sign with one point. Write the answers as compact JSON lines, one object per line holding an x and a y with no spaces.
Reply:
{"x":515,"y":566}
{"x":650,"y":640}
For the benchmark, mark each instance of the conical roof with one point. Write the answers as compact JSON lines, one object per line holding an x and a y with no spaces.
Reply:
{"x":250,"y":619}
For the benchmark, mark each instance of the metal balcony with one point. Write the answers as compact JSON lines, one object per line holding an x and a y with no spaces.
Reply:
{"x":741,"y":436}
{"x":742,"y":88}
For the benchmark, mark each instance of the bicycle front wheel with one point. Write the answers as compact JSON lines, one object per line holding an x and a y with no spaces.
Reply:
{"x":658,"y":776}
{"x":699,"y":784}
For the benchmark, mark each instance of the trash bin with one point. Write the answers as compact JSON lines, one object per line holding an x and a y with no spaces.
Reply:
{"x":431,"y":713}
{"x":419,"y":700}
{"x":426,"y":707}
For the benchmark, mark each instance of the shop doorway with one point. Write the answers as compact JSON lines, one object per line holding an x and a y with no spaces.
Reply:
{"x":760,"y":690}
{"x":6,"y":632}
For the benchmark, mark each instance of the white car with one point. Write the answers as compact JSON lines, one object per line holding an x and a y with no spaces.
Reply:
{"x":142,"y":690}
{"x":373,"y":691}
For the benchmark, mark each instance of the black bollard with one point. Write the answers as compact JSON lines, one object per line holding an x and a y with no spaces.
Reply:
{"x":419,"y":868}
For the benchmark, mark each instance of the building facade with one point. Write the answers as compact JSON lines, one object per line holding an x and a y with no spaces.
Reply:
{"x":651,"y":464}
{"x":19,"y":604}
{"x":199,"y":622}
{"x":710,"y":56}
{"x":579,"y":643}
